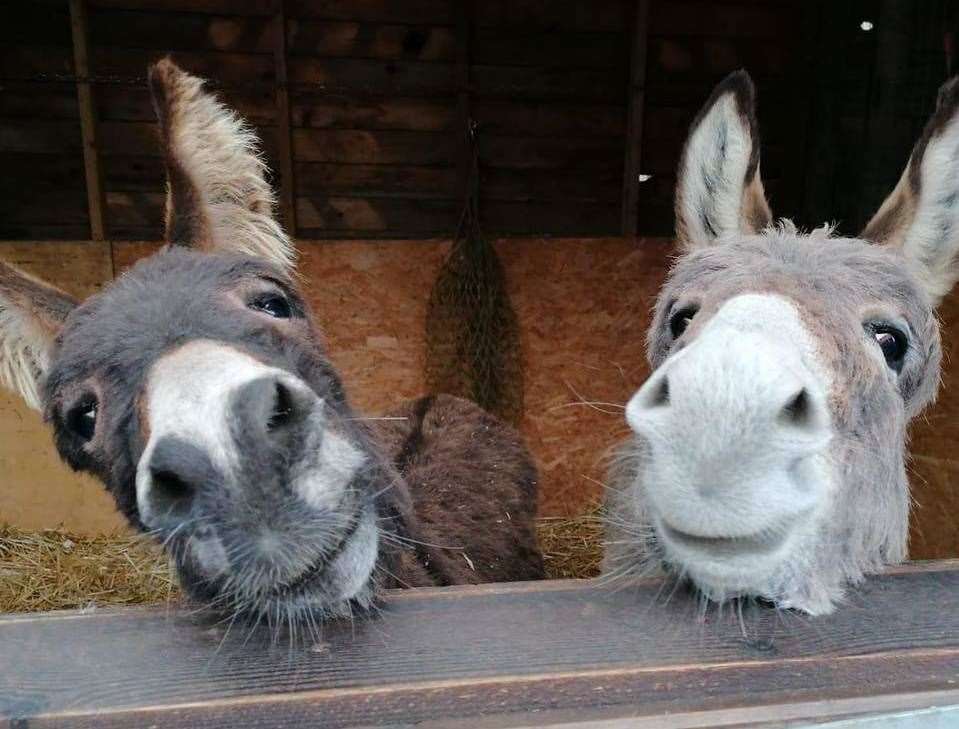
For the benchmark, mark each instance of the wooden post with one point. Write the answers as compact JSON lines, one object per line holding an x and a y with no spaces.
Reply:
{"x":464,"y":115}
{"x":634,"y":119}
{"x":88,"y":119}
{"x":284,"y":139}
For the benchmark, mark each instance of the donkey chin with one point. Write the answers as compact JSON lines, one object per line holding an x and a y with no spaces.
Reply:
{"x":261,"y":476}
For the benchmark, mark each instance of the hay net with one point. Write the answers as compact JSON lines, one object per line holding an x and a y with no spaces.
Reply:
{"x":473,"y":345}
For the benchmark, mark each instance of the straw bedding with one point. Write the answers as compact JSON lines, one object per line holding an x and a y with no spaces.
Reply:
{"x":56,"y":570}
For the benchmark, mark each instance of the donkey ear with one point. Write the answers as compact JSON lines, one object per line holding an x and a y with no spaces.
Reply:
{"x":718,"y":189}
{"x":921,"y":215}
{"x":31,"y":316}
{"x":217,"y":194}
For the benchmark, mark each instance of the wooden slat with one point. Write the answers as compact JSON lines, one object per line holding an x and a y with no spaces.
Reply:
{"x":39,"y":100}
{"x":175,"y":31}
{"x":549,"y":152}
{"x":284,"y":139}
{"x":132,"y":103}
{"x":636,"y":101}
{"x":421,"y":12}
{"x":338,"y":112}
{"x":529,"y":118}
{"x":555,"y":49}
{"x":573,"y":184}
{"x":464,"y":133}
{"x":367,"y":147}
{"x":382,"y":180}
{"x":545,"y":83}
{"x":536,"y":654}
{"x":372,"y":76}
{"x":217,"y":7}
{"x":343,"y":213}
{"x":608,"y":16}
{"x":708,"y":18}
{"x":88,"y":120}
{"x":388,"y":41}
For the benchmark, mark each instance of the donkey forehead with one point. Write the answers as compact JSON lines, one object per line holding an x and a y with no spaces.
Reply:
{"x":817,"y":272}
{"x":171,"y":297}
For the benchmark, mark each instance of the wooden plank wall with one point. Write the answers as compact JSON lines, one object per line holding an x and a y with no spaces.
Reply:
{"x":371,"y":89}
{"x":692,"y":44}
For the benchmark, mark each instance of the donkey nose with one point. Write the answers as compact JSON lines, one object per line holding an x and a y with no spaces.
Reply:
{"x":272,"y":404}
{"x":177,"y":473}
{"x":736,"y":389}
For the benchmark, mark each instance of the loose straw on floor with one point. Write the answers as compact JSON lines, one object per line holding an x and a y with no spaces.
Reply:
{"x":56,"y":570}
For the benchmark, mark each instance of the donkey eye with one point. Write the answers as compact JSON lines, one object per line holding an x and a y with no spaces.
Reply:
{"x":892,"y":342}
{"x":273,"y":304}
{"x":82,"y":419}
{"x":679,"y":321}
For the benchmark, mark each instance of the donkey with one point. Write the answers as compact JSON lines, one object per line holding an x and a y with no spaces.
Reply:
{"x":197,"y":388}
{"x":768,"y":452}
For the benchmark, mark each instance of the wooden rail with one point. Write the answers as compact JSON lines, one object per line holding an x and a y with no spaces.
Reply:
{"x":538,"y":654}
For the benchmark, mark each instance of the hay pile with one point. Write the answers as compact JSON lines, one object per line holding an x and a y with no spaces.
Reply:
{"x":572,"y":546}
{"x":56,"y":570}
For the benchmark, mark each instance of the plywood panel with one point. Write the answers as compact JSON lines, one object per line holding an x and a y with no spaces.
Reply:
{"x":37,"y":491}
{"x":583,"y":308}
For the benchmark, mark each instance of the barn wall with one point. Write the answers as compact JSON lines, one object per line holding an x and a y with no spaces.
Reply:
{"x":377,"y":93}
{"x":583,"y":307}
{"x":374,"y":104}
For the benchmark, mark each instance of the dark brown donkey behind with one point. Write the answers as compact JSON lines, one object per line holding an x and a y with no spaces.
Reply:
{"x":197,"y":388}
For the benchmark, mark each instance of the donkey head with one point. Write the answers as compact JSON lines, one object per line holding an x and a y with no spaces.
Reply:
{"x":196,"y":386}
{"x":770,"y":438}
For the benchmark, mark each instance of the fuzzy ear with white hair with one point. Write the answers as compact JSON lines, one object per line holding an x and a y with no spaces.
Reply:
{"x":217,"y":194}
{"x":719,"y":191}
{"x":921,"y":215}
{"x":31,"y":315}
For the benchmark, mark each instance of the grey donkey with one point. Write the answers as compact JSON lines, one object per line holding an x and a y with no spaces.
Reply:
{"x":769,"y":448}
{"x":197,"y":388}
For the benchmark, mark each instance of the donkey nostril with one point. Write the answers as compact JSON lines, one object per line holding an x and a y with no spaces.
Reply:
{"x":660,"y":394}
{"x":797,"y":410}
{"x":169,"y":493}
{"x":283,"y":407}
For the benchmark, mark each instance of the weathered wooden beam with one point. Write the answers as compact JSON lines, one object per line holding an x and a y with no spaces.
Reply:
{"x":545,"y":654}
{"x":88,"y":119}
{"x":283,"y":126}
{"x":634,"y":120}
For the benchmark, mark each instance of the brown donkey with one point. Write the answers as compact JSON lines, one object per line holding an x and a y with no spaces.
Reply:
{"x":197,"y":388}
{"x":769,"y":450}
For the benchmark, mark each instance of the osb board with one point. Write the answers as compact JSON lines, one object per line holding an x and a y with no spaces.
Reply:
{"x":583,"y":307}
{"x":934,"y":468}
{"x":36,"y":489}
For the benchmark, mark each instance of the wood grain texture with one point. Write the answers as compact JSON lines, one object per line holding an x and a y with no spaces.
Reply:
{"x":284,"y":141}
{"x":632,"y":165}
{"x":88,"y":120}
{"x":538,"y":654}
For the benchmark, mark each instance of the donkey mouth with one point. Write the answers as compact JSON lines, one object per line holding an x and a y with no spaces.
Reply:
{"x":316,"y":573}
{"x":760,"y":544}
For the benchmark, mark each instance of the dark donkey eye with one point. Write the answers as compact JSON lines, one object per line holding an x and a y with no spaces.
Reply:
{"x":681,"y":319}
{"x":893,"y":343}
{"x":273,"y":304}
{"x":82,"y":419}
